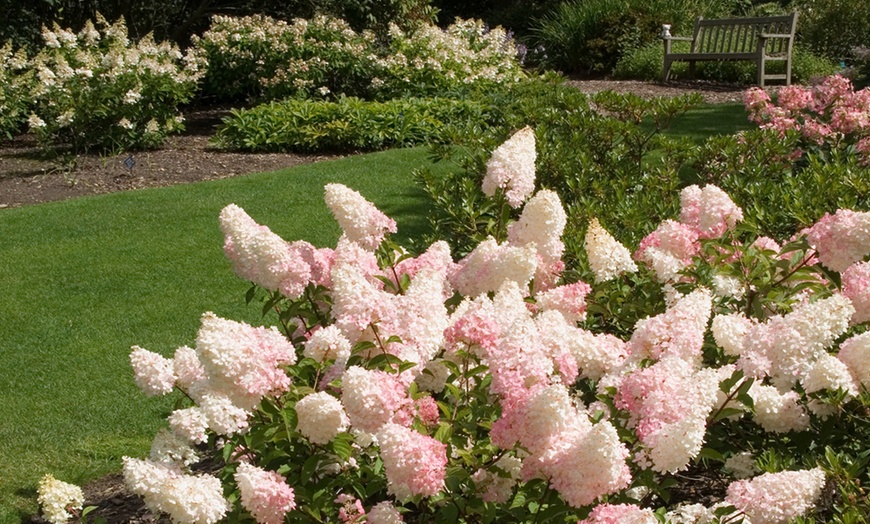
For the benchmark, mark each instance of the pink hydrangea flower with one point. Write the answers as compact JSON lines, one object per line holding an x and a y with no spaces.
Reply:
{"x":570,"y":300}
{"x":261,"y":256}
{"x":242,"y":361}
{"x":855,"y":353}
{"x":265,"y":494}
{"x":372,"y":398}
{"x":856,"y":286}
{"x":669,"y":403}
{"x":710,"y":211}
{"x":679,"y":331}
{"x":831,"y":91}
{"x":360,"y":220}
{"x":795,"y":98}
{"x":436,"y":259}
{"x":490,"y":264}
{"x":841,"y":239}
{"x":415,"y":464}
{"x":582,"y":461}
{"x":757,"y":103}
{"x":785,"y":347}
{"x":777,"y":498}
{"x":620,"y":514}
{"x":512,"y":168}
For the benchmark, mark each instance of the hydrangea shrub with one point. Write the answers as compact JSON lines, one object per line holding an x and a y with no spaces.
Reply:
{"x":16,"y":84}
{"x":322,"y":57}
{"x":96,"y":88}
{"x":398,"y":387}
{"x":830,"y":114}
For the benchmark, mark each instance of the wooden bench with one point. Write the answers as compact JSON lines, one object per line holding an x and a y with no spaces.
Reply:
{"x":761,"y":40}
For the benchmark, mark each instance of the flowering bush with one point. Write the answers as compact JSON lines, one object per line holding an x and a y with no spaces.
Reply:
{"x":261,"y":57}
{"x":831,"y":114}
{"x":432,"y":61}
{"x":16,"y":84}
{"x":96,"y":88}
{"x":485,"y":390}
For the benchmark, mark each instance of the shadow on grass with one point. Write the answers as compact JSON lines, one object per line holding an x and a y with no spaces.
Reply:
{"x":710,"y":120}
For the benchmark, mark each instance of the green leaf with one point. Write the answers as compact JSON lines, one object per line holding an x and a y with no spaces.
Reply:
{"x":728,"y":412}
{"x":712,"y":454}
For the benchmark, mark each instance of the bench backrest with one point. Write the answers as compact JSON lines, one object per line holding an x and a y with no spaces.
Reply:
{"x":740,"y":35}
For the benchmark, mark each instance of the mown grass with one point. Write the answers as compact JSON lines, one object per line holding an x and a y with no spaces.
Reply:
{"x":83,"y":280}
{"x":711,"y":119}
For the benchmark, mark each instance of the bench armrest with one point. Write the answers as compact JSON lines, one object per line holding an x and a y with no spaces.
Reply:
{"x":683,"y":38}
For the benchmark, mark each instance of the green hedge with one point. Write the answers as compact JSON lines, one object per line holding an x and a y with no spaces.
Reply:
{"x":349,"y":124}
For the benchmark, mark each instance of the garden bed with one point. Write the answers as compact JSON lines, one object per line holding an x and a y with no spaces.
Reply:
{"x":28,"y":177}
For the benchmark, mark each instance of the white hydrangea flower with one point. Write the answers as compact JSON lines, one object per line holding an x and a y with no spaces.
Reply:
{"x":607,"y":257}
{"x":512,"y":168}
{"x":729,"y":331}
{"x":58,"y":498}
{"x":321,"y":417}
{"x":188,"y":499}
{"x":384,"y":513}
{"x":189,"y":423}
{"x":328,"y":343}
{"x":741,"y":465}
{"x":154,"y":374}
{"x":778,"y":412}
{"x":167,"y":447}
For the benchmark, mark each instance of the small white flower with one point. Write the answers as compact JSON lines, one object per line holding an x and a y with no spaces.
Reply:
{"x":35,"y":122}
{"x":125,"y":124}
{"x":132,"y":96}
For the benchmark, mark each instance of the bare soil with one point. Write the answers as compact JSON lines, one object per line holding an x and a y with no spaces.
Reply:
{"x":27,"y":176}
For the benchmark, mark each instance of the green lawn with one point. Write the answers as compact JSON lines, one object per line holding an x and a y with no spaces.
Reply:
{"x":711,"y":119}
{"x":83,"y":280}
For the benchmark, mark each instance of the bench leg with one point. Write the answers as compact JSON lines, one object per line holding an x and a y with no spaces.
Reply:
{"x":760,"y":79}
{"x":692,"y":69}
{"x":666,"y":70}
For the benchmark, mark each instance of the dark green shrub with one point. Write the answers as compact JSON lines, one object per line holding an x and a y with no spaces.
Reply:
{"x":590,"y":36}
{"x":645,"y":63}
{"x":777,"y":184}
{"x":348,"y":124}
{"x":834,"y":27}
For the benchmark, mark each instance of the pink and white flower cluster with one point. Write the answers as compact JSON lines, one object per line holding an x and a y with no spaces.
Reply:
{"x":499,"y":315}
{"x":829,"y":112}
{"x":705,"y":213}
